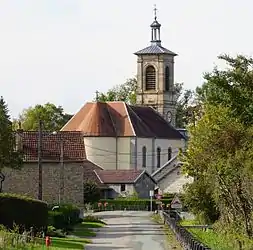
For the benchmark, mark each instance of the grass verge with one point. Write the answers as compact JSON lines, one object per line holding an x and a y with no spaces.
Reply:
{"x":64,"y":243}
{"x":172,"y":241}
{"x":85,"y":229}
{"x":212,"y":239}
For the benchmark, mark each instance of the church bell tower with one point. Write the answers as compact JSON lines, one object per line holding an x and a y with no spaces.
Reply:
{"x":155,"y":76}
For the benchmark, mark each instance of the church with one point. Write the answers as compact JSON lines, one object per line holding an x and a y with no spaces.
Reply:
{"x":119,"y":136}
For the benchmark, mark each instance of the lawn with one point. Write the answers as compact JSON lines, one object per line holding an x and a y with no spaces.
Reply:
{"x":65,"y":243}
{"x":85,"y":229}
{"x":75,"y":241}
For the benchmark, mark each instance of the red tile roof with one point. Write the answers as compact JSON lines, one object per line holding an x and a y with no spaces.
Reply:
{"x":120,"y":119}
{"x":73,"y":146}
{"x":118,"y":176}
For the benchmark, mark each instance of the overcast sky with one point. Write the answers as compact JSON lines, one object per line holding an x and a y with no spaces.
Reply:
{"x":62,"y":51}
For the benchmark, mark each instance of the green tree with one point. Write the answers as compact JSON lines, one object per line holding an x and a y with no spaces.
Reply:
{"x":124,"y":92}
{"x":91,"y":192}
{"x":231,"y":87}
{"x":220,"y":150}
{"x":9,"y":156}
{"x":53,"y":117}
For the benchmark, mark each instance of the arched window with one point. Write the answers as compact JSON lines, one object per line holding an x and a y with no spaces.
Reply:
{"x":144,"y":157}
{"x":150,"y":78}
{"x":169,"y":153}
{"x":158,"y":155}
{"x":167,"y":78}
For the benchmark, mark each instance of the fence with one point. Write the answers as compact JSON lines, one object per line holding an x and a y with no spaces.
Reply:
{"x":185,"y":238}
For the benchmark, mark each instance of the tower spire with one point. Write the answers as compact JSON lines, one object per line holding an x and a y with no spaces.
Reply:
{"x":155,"y":30}
{"x":155,"y":10}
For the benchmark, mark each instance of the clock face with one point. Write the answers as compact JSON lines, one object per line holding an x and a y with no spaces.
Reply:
{"x":169,"y":116}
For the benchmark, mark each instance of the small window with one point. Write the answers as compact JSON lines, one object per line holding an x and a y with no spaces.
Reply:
{"x":122,"y":187}
{"x":167,"y":78}
{"x":144,"y":157}
{"x":169,"y":153}
{"x":158,"y":155}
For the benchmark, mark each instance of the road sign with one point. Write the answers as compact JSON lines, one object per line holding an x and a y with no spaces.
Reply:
{"x":176,"y":203}
{"x":151,"y":193}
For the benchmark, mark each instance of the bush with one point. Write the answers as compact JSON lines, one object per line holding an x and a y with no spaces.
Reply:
{"x":128,"y":204}
{"x":22,"y":211}
{"x":65,"y":217}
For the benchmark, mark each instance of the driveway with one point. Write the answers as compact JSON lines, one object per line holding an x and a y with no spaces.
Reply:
{"x":128,"y":230}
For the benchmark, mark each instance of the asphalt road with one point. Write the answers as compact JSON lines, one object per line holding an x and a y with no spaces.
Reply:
{"x":128,"y":230}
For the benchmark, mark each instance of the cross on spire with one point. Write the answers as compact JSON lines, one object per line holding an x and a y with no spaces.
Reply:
{"x":155,"y":11}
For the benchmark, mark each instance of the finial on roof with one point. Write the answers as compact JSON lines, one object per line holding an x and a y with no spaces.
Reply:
{"x":155,"y":10}
{"x":155,"y":30}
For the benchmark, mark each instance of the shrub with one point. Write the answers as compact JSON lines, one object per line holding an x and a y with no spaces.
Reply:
{"x":128,"y":204}
{"x":22,"y":211}
{"x":91,"y":192}
{"x":65,"y":217}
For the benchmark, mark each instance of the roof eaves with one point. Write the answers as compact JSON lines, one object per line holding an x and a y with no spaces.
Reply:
{"x":129,"y":118}
{"x":98,"y":177}
{"x":140,"y":175}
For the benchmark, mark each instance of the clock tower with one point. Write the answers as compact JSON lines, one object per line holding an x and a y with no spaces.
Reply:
{"x":155,"y":76}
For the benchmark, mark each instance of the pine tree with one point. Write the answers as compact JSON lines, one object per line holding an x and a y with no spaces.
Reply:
{"x":9,"y":157}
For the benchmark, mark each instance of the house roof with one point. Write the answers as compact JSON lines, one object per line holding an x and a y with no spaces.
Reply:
{"x":114,"y":119}
{"x":73,"y":146}
{"x":90,"y":175}
{"x":119,"y":176}
{"x":155,"y":49}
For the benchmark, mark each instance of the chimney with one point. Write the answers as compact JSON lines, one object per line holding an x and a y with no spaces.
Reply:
{"x":19,"y":138}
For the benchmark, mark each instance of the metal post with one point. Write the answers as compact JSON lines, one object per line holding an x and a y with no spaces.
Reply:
{"x":61,"y":186}
{"x":40,"y":159}
{"x":151,"y":203}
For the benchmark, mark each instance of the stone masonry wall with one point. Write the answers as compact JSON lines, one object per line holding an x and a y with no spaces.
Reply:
{"x":25,"y":182}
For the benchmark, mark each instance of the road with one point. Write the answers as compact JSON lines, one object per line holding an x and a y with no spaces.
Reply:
{"x":128,"y":230}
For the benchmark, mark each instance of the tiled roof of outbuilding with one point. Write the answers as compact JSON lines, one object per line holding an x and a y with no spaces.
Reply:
{"x":119,"y":176}
{"x":73,"y":146}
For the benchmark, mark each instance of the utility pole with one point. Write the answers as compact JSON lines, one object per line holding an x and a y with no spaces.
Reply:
{"x":61,"y":187}
{"x":40,"y":159}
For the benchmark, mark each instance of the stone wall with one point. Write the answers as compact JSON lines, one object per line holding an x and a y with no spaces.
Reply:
{"x":25,"y":182}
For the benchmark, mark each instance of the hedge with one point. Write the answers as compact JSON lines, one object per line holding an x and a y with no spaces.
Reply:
{"x":128,"y":204}
{"x":64,"y":217}
{"x":22,"y":211}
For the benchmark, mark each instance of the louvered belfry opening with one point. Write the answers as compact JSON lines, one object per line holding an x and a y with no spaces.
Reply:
{"x":150,"y":78}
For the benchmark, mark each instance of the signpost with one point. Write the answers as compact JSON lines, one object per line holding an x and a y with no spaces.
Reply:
{"x":151,"y":194}
{"x":176,"y":203}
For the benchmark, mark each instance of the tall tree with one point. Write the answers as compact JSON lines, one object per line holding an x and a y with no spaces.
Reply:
{"x":53,"y":117}
{"x":219,"y":154}
{"x":9,"y":156}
